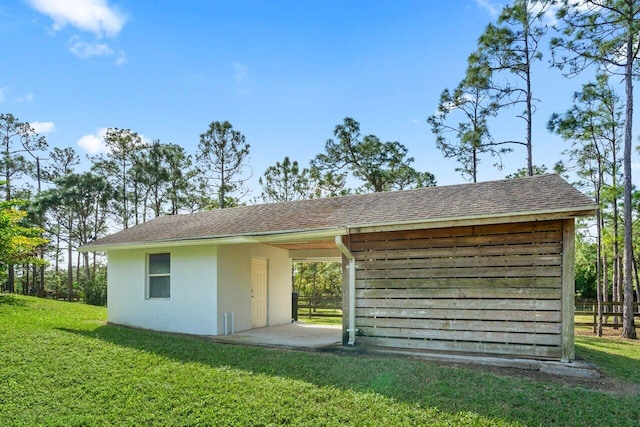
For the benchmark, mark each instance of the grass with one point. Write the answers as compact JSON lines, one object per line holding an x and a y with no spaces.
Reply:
{"x":617,"y":357}
{"x":321,"y":316}
{"x":61,"y":365}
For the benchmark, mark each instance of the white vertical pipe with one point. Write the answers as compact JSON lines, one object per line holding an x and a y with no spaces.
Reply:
{"x":229,"y":322}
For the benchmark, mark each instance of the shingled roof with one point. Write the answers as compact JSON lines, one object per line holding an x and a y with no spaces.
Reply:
{"x":537,"y":195}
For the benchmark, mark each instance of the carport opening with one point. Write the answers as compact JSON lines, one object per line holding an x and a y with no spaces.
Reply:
{"x":317,"y":292}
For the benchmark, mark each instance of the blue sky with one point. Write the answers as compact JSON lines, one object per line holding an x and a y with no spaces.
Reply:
{"x":284,"y":73}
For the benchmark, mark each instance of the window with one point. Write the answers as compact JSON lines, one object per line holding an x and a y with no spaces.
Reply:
{"x":159,"y":284}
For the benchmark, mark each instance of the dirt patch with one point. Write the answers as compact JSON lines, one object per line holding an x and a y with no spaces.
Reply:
{"x":606,"y":332}
{"x":602,"y":384}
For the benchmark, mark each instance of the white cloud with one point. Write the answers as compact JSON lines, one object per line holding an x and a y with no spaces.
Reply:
{"x":240,"y":72}
{"x":548,"y":12}
{"x":121,"y":58}
{"x":94,"y":144}
{"x":43,"y":127}
{"x":95,"y":16}
{"x":83,"y":49}
{"x":27,"y":98}
{"x":494,"y":8}
{"x":490,"y":7}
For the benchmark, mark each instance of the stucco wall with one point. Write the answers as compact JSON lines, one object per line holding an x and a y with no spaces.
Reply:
{"x":234,"y":284}
{"x":192,"y":306}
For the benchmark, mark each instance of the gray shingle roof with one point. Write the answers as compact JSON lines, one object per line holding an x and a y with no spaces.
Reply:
{"x":532,"y":195}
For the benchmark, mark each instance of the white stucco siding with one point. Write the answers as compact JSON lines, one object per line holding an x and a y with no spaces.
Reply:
{"x":234,"y":284}
{"x":192,"y":305}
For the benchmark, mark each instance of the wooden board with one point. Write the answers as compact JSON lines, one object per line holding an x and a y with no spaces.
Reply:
{"x":522,"y":350}
{"x":463,"y":262}
{"x":496,"y":272}
{"x":479,"y":336}
{"x":461,"y":304}
{"x":457,"y":241}
{"x":493,"y":289}
{"x":497,"y":229}
{"x":458,"y":282}
{"x":461,"y":293}
{"x":422,"y":253}
{"x":463,"y":325}
{"x":470,"y":314}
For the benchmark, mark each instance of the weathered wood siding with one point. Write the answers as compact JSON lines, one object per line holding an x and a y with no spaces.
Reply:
{"x":492,"y":289}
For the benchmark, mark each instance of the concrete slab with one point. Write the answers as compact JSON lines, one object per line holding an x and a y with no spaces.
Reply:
{"x":578,"y":369}
{"x":292,"y":335}
{"x":575,"y":368}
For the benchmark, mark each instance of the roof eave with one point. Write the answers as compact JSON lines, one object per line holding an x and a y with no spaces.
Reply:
{"x":269,"y":237}
{"x":545,"y":215}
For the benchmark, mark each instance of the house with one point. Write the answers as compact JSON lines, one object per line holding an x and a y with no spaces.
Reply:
{"x":481,"y":269}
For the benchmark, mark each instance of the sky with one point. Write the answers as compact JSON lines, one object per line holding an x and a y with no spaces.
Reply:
{"x":284,"y":73}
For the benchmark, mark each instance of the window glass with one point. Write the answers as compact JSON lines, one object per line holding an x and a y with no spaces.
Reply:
{"x":159,"y":264}
{"x":159,"y":287}
{"x":159,"y":278}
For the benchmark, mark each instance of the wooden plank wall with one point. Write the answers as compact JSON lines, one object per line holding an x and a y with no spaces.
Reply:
{"x":491,"y":290}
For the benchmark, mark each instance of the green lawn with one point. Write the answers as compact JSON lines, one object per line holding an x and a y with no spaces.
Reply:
{"x":61,"y":365}
{"x":321,"y":316}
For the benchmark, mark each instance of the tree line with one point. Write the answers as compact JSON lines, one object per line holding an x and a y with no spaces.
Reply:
{"x":49,"y":199}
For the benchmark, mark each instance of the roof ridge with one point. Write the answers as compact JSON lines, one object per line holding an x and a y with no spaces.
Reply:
{"x":372,"y":194}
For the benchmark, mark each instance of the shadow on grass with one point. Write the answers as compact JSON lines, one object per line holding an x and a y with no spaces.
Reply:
{"x":622,"y":367}
{"x":7,"y":299}
{"x":452,"y":389}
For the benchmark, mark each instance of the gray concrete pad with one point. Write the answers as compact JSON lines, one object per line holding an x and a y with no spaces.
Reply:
{"x":291,"y":335}
{"x":578,"y":369}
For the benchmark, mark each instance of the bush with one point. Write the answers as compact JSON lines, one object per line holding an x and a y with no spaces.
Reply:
{"x":95,"y":290}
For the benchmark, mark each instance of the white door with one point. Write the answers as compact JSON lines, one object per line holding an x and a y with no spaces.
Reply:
{"x":258,"y":292}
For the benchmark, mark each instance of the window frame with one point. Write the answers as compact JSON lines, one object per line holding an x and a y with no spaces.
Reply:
{"x":150,"y":275}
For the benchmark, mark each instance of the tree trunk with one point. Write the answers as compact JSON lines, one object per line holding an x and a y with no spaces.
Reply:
{"x":628,"y":327}
{"x":58,"y":251}
{"x":636,"y":276}
{"x":87,"y":267}
{"x":615,"y":288}
{"x":475,"y":165}
{"x":599,"y":262}
{"x":36,"y":285}
{"x":605,"y":288}
{"x":78,"y":279}
{"x":42,"y":281}
{"x":11,"y":279}
{"x":25,"y":279}
{"x":221,"y":193}
{"x":70,"y":263}
{"x":94,"y":268}
{"x":529,"y":107}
